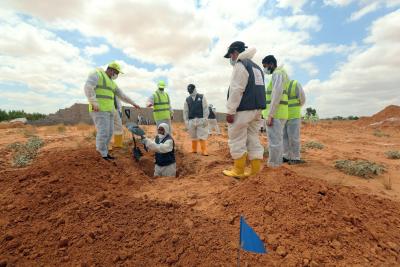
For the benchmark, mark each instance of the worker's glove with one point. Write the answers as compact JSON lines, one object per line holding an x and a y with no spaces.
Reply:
{"x":204,"y":122}
{"x":230,"y":118}
{"x":95,"y":107}
{"x":270,"y":121}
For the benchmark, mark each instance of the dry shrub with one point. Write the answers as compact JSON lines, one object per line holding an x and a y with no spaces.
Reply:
{"x":362,"y":168}
{"x":379,"y":133}
{"x":61,"y":128}
{"x":393,"y":154}
{"x":313,"y":145}
{"x":23,"y":154}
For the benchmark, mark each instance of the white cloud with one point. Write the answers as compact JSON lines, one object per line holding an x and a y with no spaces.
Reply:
{"x":337,"y":2}
{"x":304,"y":22}
{"x":193,"y":41}
{"x":310,"y":68}
{"x":364,"y":11}
{"x":296,"y":5}
{"x":34,"y":102}
{"x":96,"y":50}
{"x":369,"y":80}
{"x":41,"y":61}
{"x":342,"y":3}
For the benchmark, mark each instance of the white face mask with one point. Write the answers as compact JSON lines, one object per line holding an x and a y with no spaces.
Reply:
{"x":114,"y":76}
{"x":267,"y":71}
{"x":161,"y":136}
{"x":233,"y":62}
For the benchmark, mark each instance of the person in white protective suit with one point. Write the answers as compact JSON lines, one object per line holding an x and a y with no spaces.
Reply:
{"x":276,"y":111}
{"x":246,"y":100}
{"x":164,"y":148}
{"x":291,"y":132}
{"x":212,"y":120}
{"x":100,"y":90}
{"x":195,"y":115}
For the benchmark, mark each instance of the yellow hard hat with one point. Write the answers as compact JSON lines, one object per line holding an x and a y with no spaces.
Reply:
{"x":161,"y":84}
{"x":114,"y":65}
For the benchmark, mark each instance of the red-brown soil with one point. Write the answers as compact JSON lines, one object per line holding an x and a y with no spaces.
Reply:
{"x":390,"y":116}
{"x":71,"y":208}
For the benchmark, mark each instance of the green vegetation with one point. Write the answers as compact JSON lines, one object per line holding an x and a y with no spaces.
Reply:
{"x":14,"y":114}
{"x":352,"y":118}
{"x":362,"y":168}
{"x":313,"y":145}
{"x":393,"y":154}
{"x":340,"y":118}
{"x":311,"y":115}
{"x":23,"y":154}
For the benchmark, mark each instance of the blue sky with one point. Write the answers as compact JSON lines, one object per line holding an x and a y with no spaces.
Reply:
{"x":337,"y":49}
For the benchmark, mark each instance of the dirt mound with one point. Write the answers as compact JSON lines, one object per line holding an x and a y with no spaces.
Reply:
{"x":70,"y":208}
{"x":307,"y":220}
{"x":66,"y":209}
{"x":7,"y":125}
{"x":390,"y":116}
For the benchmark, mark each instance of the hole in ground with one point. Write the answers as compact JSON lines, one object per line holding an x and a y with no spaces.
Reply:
{"x":186,"y":164}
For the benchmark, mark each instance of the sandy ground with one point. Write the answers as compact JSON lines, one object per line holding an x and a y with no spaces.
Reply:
{"x":71,"y":208}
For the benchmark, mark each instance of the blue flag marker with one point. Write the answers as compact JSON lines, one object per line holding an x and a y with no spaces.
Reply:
{"x":249,"y":240}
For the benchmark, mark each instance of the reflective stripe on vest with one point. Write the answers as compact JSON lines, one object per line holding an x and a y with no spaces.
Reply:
{"x":282,"y":110}
{"x":161,"y":106}
{"x":294,"y":107}
{"x":105,"y":90}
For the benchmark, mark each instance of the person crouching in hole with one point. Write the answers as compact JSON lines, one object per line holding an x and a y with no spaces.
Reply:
{"x":164,"y":148}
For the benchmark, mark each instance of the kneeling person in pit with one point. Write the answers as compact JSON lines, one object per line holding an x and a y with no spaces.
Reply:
{"x":164,"y":148}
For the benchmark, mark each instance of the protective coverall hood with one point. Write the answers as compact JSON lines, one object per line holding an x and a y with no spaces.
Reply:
{"x":247,"y":54}
{"x":165,"y":126}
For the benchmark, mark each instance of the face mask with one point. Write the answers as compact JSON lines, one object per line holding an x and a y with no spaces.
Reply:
{"x":267,"y":71}
{"x":114,"y":76}
{"x":233,"y":62}
{"x":161,"y":136}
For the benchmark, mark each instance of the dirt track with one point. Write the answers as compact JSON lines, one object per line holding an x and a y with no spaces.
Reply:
{"x":69,"y":208}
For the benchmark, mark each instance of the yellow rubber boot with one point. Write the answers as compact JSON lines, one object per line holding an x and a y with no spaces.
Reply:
{"x":255,"y":167}
{"x":238,"y":168}
{"x":118,"y":141}
{"x":194,"y":146}
{"x":203,"y":146}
